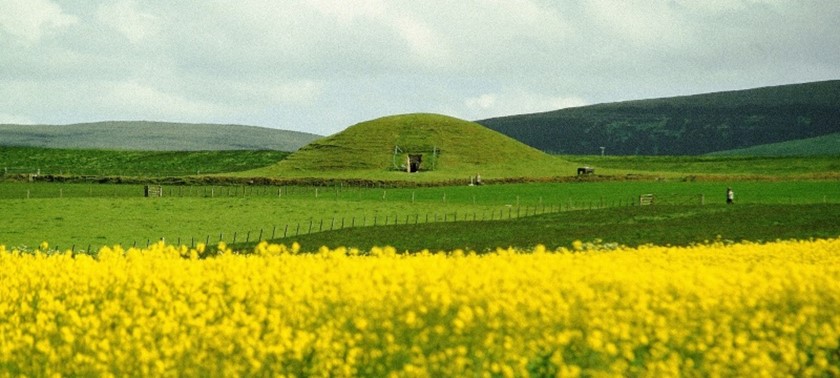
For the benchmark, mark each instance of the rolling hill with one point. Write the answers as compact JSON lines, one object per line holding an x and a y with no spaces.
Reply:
{"x":445,"y":144}
{"x":153,"y":136}
{"x":686,"y":125}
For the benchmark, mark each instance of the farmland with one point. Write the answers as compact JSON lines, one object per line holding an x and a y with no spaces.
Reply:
{"x":709,"y":310}
{"x":95,"y":215}
{"x":74,"y":162}
{"x":356,"y":275}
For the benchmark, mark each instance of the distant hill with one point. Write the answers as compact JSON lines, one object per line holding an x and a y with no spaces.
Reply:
{"x":687,"y":125}
{"x":153,"y":136}
{"x":822,"y":145}
{"x":445,"y":143}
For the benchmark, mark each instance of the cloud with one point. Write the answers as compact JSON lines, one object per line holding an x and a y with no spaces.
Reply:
{"x":422,"y":40}
{"x":14,"y":119}
{"x":139,"y":98}
{"x":349,"y":11}
{"x":517,"y":101}
{"x":30,"y":20}
{"x":321,"y":65}
{"x":481,"y":103}
{"x":124,"y":17}
{"x":304,"y":92}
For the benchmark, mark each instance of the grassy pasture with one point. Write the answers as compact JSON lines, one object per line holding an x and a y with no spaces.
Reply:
{"x":631,"y":226}
{"x":83,"y":215}
{"x":782,"y":167}
{"x":28,"y":160}
{"x":821,"y":145}
{"x":89,"y":214}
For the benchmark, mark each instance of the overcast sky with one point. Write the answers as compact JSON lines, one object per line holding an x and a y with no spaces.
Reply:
{"x":320,"y":66}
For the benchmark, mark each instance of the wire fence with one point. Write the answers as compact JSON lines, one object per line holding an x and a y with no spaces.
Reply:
{"x":336,"y":223}
{"x":513,"y":210}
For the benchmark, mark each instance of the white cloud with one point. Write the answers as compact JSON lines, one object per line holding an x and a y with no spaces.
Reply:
{"x":321,"y":65}
{"x":348,"y":11}
{"x":14,"y":119}
{"x":303,"y":92}
{"x":481,"y":103}
{"x":138,"y":98}
{"x":517,"y":101}
{"x":124,"y":17}
{"x":30,"y":20}
{"x":422,"y":40}
{"x":641,"y":24}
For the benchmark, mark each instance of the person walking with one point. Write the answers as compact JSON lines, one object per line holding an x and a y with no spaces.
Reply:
{"x":730,"y":196}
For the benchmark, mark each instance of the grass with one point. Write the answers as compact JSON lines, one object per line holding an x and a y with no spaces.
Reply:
{"x":822,"y":145}
{"x":450,"y":148}
{"x":631,"y":226}
{"x":101,"y":221}
{"x":26,"y":160}
{"x":717,"y":165}
{"x":526,"y":163}
{"x":83,"y":215}
{"x":79,"y":215}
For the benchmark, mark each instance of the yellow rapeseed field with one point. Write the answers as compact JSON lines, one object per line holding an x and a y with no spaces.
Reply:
{"x":709,"y":310}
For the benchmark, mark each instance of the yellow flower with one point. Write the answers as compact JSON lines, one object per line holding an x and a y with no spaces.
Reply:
{"x":716,"y":309}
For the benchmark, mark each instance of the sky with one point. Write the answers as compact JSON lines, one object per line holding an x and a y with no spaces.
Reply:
{"x":320,"y":66}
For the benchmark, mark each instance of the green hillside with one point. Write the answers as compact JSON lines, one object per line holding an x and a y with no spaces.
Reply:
{"x":76,"y":162}
{"x":822,"y":145}
{"x":447,"y":146}
{"x":153,"y":136}
{"x":687,"y":125}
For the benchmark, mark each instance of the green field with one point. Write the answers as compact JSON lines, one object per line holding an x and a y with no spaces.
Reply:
{"x":630,"y":226}
{"x":821,"y":145}
{"x":239,"y":306}
{"x":715,"y":166}
{"x":82,"y":215}
{"x":53,"y":161}
{"x":521,"y":203}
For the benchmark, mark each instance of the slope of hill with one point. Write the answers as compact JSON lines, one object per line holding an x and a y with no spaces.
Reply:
{"x":687,"y":125}
{"x":153,"y":136}
{"x":70,"y":162}
{"x":384,"y":144}
{"x":822,"y":145}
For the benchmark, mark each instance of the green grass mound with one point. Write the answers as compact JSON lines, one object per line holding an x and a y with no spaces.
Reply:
{"x":444,"y":144}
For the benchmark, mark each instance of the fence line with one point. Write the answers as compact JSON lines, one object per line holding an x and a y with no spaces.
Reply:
{"x":337,"y":191}
{"x":335,"y":223}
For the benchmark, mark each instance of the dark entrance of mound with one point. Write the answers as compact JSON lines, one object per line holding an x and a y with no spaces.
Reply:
{"x":413,"y":162}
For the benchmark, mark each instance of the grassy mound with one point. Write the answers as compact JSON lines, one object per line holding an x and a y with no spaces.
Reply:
{"x":448,"y":146}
